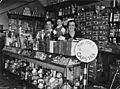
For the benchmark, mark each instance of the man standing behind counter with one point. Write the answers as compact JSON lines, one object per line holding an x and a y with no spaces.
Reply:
{"x":48,"y":29}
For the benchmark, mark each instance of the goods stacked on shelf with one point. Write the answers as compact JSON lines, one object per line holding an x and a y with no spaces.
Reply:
{"x":114,"y":26}
{"x":57,"y":58}
{"x":65,"y":8}
{"x":49,"y":69}
{"x":22,"y":27}
{"x":47,"y":63}
{"x":94,"y":26}
{"x":61,"y":47}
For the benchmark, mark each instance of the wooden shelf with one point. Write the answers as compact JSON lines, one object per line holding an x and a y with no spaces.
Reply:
{"x":25,"y":17}
{"x":43,"y":63}
{"x":53,"y":7}
{"x":69,"y":15}
{"x":115,"y":22}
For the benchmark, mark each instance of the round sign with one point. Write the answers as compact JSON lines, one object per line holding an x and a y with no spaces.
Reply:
{"x":86,"y":50}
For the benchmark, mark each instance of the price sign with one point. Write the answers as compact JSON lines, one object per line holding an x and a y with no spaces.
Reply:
{"x":86,"y":50}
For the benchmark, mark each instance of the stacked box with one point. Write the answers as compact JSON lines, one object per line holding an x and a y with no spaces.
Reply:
{"x":94,"y":26}
{"x":70,"y":50}
{"x":55,"y":47}
{"x":41,"y":45}
{"x":61,"y":47}
{"x":47,"y":45}
{"x":50,"y":45}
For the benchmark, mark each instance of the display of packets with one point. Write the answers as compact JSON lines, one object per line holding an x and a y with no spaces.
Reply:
{"x":61,"y":47}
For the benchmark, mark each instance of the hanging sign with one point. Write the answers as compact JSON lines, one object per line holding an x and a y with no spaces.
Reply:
{"x":86,"y":50}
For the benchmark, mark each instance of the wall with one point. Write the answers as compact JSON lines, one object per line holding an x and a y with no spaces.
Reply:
{"x":4,"y":20}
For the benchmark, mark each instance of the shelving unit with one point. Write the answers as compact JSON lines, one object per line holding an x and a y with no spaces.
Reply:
{"x":43,"y":63}
{"x":68,"y":3}
{"x":69,"y":8}
{"x":25,"y":17}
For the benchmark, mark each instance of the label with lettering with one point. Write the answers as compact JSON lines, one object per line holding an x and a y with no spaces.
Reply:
{"x":86,"y":50}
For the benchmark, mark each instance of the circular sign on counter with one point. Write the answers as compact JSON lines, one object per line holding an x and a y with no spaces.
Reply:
{"x":86,"y":50}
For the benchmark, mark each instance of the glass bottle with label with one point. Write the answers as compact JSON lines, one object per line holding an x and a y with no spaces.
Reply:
{"x":60,"y":12}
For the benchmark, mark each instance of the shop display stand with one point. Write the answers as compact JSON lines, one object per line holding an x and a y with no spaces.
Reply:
{"x":43,"y":63}
{"x":86,"y":56}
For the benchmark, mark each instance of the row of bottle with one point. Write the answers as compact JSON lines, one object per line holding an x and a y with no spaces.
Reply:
{"x":114,"y":15}
{"x":41,"y":77}
{"x":71,"y":9}
{"x":34,"y":13}
{"x":114,"y":35}
{"x":76,"y":9}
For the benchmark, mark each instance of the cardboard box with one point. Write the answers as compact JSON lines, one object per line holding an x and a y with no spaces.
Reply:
{"x":47,"y":45}
{"x":53,"y":46}
{"x":50,"y":46}
{"x":63,"y":46}
{"x":70,"y":50}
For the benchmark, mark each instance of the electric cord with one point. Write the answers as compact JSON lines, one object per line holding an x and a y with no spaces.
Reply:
{"x":114,"y":78}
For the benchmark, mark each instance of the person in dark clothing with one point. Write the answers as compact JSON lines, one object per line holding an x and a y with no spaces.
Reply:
{"x":72,"y":34}
{"x":48,"y":29}
{"x":2,"y":44}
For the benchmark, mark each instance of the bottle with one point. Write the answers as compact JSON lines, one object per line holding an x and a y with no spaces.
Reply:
{"x":60,"y":12}
{"x":63,"y":11}
{"x":42,"y":34}
{"x":47,"y":15}
{"x":73,"y":9}
{"x":66,"y":11}
{"x":20,"y":30}
{"x":115,"y":15}
{"x":114,"y":33}
{"x":115,"y":10}
{"x":69,"y":10}
{"x":111,"y":16}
